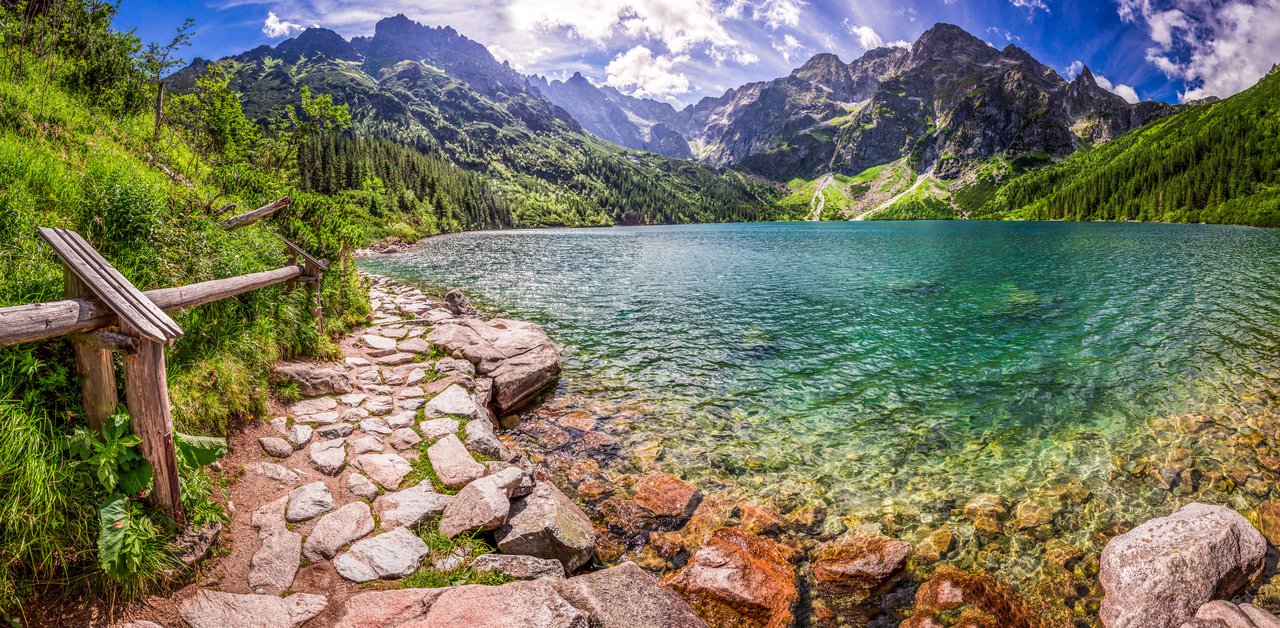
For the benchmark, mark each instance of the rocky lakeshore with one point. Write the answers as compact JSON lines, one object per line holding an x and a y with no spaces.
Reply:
{"x":427,"y":480}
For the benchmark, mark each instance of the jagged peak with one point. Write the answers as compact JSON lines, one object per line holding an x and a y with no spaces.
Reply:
{"x":821,"y":66}
{"x":318,"y":40}
{"x":944,"y":40}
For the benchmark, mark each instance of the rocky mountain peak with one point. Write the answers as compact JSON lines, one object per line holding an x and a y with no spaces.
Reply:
{"x":315,"y":41}
{"x":950,"y":43}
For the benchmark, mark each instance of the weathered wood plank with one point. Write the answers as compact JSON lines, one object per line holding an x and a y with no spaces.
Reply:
{"x":248,"y":218}
{"x":107,"y":340}
{"x":39,"y":321}
{"x":147,"y":392}
{"x":94,"y":364}
{"x":110,"y":286}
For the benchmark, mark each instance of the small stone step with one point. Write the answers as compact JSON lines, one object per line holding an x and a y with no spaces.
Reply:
{"x":336,"y":529}
{"x":215,"y":609}
{"x":393,"y":554}
{"x":307,"y":501}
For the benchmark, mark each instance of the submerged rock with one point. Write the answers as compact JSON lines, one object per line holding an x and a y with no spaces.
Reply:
{"x":667,"y":497}
{"x":1159,"y":573}
{"x":950,"y":589}
{"x":987,"y":511}
{"x":860,"y":565}
{"x":739,"y":579}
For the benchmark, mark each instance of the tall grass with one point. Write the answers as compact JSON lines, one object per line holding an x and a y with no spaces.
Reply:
{"x":65,"y":162}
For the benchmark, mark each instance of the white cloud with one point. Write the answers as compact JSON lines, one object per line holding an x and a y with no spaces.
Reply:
{"x":1218,"y":48}
{"x":788,"y":47}
{"x":275,"y":27}
{"x":1124,"y":91}
{"x":1031,"y":4}
{"x":642,"y":74}
{"x":867,"y":37}
{"x":777,"y":13}
{"x":899,"y":43}
{"x":1074,"y":69}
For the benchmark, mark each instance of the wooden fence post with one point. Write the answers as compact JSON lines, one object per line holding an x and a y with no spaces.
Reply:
{"x":97,"y":370}
{"x":147,"y":392}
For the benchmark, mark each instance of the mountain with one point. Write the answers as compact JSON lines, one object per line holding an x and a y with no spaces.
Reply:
{"x":1217,"y":163}
{"x":638,"y":123}
{"x":446,"y":95}
{"x":947,"y":104}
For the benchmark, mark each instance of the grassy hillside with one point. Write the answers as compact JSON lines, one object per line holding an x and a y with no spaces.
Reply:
{"x":1218,"y":163}
{"x":78,"y":149}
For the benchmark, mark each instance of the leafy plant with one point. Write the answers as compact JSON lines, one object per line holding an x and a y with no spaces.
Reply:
{"x":129,"y":547}
{"x":199,"y":451}
{"x":111,"y":456}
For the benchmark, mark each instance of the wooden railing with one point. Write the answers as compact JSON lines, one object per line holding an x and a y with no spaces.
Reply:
{"x":104,"y":314}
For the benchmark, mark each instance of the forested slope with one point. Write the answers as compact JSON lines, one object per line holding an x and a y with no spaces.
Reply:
{"x":1217,"y":163}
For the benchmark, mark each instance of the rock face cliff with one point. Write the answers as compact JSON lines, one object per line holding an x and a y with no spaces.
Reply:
{"x":947,"y":103}
{"x":638,"y":123}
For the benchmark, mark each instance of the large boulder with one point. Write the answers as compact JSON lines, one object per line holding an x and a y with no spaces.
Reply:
{"x":521,"y":378}
{"x":314,"y":379}
{"x":1161,"y":572}
{"x":547,"y":524}
{"x":739,"y":579}
{"x":519,"y":567}
{"x":518,"y":356}
{"x":215,"y":609}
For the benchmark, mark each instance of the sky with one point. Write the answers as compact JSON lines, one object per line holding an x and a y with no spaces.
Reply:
{"x":682,"y":50}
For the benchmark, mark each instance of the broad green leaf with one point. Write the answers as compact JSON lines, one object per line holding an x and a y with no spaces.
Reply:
{"x":113,"y":524}
{"x":200,"y":450}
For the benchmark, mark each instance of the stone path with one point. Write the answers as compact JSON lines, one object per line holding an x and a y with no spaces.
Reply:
{"x":399,"y":439}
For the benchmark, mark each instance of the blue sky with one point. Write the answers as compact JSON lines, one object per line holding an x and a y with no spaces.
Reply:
{"x":682,"y":50}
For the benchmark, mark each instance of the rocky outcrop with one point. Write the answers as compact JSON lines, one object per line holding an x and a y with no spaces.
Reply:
{"x":547,"y":524}
{"x":739,"y":579}
{"x":1161,"y":572}
{"x":518,"y":356}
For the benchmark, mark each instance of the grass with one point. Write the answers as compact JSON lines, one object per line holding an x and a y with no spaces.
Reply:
{"x":65,"y":162}
{"x":427,"y":577}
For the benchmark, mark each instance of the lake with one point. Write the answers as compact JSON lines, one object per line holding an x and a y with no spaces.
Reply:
{"x":894,"y":369}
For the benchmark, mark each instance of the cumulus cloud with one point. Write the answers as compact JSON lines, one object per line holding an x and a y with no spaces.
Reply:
{"x":642,"y":74}
{"x":788,"y":46}
{"x":867,"y":37}
{"x":1217,"y":48}
{"x":899,"y":43}
{"x":1034,"y":5}
{"x":1124,"y":91}
{"x":1074,"y":69}
{"x":275,"y":27}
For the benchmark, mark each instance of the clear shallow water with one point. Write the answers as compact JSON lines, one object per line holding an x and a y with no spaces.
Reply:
{"x":889,"y":367}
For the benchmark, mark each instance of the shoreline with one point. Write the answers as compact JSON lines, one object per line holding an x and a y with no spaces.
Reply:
{"x":1064,"y":567}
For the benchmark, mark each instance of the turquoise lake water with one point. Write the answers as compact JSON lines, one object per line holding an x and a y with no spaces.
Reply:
{"x":881,"y":366}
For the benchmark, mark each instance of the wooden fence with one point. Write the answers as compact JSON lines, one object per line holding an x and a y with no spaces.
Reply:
{"x":104,"y":314}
